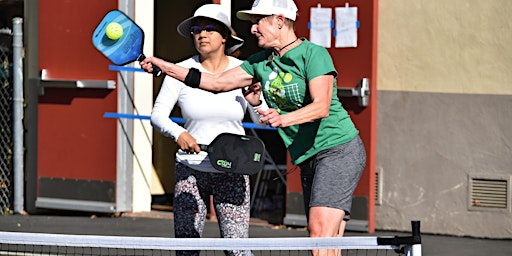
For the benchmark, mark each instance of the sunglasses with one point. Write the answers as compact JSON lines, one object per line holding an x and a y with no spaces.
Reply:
{"x":194,"y":30}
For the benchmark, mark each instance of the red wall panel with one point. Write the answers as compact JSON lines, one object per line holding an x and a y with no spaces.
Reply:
{"x":74,"y":140}
{"x":65,"y":31}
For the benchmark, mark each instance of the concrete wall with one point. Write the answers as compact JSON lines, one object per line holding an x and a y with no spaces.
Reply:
{"x":444,"y":115}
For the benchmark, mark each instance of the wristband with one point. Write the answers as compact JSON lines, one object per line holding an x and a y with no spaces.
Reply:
{"x":193,"y":78}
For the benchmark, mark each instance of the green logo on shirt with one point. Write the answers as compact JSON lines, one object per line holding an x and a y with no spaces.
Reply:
{"x":282,"y":93}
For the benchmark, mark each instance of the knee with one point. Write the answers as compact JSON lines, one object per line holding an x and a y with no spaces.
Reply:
{"x":315,"y":229}
{"x":323,"y":227}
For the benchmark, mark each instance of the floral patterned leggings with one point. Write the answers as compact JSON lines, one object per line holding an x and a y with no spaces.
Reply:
{"x":231,"y":199}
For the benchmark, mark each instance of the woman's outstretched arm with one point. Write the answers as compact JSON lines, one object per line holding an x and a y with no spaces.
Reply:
{"x":226,"y":81}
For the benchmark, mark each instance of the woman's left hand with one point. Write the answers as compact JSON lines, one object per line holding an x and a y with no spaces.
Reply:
{"x":271,"y":117}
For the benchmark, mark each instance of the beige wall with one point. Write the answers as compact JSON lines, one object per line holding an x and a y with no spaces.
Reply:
{"x":444,"y":114}
{"x":455,"y":46}
{"x":144,"y":185}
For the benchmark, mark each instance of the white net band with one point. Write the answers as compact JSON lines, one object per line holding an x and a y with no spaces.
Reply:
{"x":160,"y":243}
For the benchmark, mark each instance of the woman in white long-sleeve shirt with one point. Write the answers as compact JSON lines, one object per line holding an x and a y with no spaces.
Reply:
{"x":206,"y":115}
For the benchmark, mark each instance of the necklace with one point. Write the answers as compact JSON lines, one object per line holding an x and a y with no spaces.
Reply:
{"x":271,"y":57}
{"x":288,"y":44}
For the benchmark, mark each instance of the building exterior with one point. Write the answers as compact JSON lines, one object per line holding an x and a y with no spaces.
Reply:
{"x":444,"y":111}
{"x":438,"y":127}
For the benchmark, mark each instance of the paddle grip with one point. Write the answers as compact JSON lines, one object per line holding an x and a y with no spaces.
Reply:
{"x":203,"y":147}
{"x":156,"y":70}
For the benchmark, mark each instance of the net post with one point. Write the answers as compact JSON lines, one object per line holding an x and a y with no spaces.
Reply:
{"x":409,"y":245}
{"x":416,"y":234}
{"x":415,"y":248}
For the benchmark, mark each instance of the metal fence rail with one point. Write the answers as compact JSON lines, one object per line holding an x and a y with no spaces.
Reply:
{"x":6,"y":122}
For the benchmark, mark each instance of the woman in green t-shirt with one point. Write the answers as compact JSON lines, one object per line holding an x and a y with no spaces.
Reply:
{"x":297,"y":79}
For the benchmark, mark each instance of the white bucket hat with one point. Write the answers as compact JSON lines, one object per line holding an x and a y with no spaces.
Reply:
{"x":217,"y":13}
{"x":270,"y":7}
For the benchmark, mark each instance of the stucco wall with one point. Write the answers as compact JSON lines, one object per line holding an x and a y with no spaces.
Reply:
{"x":456,"y":46}
{"x":444,"y":113}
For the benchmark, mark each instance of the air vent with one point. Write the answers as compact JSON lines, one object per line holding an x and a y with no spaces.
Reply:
{"x":489,"y":193}
{"x":378,"y":186}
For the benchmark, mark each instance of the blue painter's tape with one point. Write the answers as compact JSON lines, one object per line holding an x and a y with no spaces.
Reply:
{"x":123,"y":68}
{"x":178,"y":120}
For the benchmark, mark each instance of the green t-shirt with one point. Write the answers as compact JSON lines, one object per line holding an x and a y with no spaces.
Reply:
{"x":285,"y":87}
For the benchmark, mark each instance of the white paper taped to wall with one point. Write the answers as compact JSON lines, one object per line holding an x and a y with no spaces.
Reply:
{"x":346,"y":26}
{"x":320,"y":26}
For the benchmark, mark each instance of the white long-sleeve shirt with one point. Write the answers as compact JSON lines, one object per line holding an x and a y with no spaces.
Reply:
{"x":205,"y":114}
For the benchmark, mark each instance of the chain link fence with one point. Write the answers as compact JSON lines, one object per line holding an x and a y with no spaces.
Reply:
{"x":6,"y":122}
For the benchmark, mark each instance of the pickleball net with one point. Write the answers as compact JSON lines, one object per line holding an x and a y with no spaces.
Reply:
{"x":18,"y":243}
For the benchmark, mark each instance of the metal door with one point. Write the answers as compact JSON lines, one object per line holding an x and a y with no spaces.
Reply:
{"x":76,"y":146}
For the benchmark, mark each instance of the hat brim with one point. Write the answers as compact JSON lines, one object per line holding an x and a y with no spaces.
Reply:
{"x":246,"y":15}
{"x":232,"y":42}
{"x":184,"y":27}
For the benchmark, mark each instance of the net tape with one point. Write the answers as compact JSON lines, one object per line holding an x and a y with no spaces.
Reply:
{"x":161,"y":243}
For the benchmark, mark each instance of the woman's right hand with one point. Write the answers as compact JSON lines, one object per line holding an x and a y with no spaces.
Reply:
{"x":188,"y":143}
{"x":271,"y":117}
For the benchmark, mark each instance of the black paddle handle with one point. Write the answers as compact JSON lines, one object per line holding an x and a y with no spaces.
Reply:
{"x":156,"y":70}
{"x":203,"y":147}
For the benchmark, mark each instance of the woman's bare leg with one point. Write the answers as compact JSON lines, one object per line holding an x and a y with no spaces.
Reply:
{"x":325,"y":222}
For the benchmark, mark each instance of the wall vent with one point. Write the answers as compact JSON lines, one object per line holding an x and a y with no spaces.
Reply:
{"x":489,"y":193}
{"x":378,"y":186}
